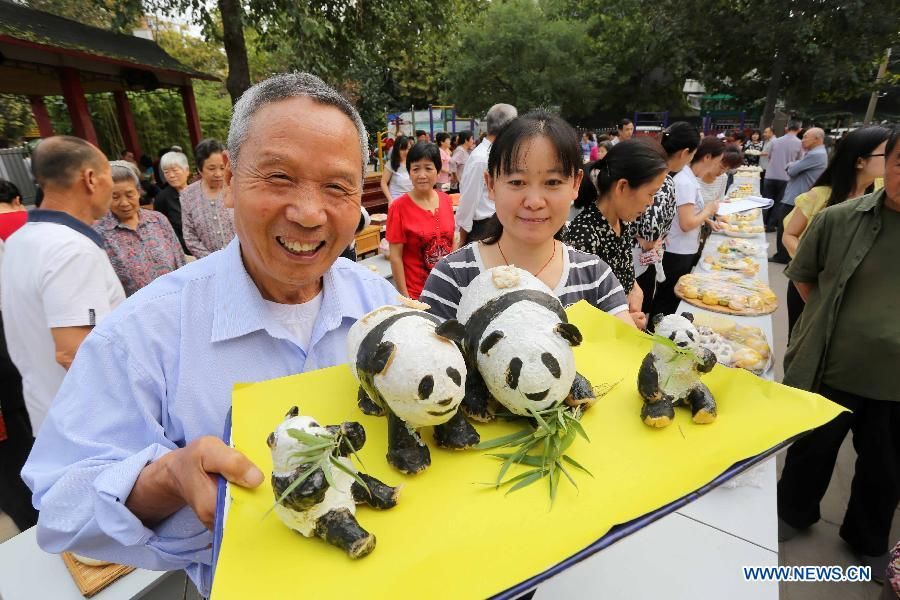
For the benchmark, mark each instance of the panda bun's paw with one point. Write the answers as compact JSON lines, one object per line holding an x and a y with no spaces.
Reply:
{"x":658,"y":414}
{"x":456,"y":434}
{"x":704,"y":416}
{"x":409,"y":460}
{"x":367,"y":405}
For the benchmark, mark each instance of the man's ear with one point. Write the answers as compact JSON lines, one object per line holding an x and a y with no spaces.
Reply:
{"x":227,"y":198}
{"x":89,"y":179}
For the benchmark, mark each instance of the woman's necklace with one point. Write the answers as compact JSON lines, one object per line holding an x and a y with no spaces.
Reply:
{"x":539,"y":270}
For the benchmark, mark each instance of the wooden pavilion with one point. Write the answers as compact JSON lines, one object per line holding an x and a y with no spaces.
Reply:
{"x":45,"y":55}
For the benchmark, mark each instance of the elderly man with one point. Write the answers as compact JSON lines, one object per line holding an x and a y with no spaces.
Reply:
{"x":846,"y":347}
{"x":803,"y":174}
{"x":475,"y":207}
{"x":132,"y":484}
{"x":782,"y":151}
{"x":57,"y":281}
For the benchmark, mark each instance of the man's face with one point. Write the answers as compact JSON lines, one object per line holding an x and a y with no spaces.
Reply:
{"x":102,"y":187}
{"x":768,"y":133}
{"x":422,"y":138}
{"x":296,"y":193}
{"x":810,"y":140}
{"x":626,"y":132}
{"x":892,"y":175}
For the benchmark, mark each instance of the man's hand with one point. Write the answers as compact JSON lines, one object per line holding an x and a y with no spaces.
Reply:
{"x":187,"y":476}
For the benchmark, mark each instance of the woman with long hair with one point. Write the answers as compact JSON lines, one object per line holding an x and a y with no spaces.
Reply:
{"x":395,"y":178}
{"x":680,"y":141}
{"x":683,"y":242}
{"x":534,"y":171}
{"x":616,"y":191}
{"x":855,"y":165}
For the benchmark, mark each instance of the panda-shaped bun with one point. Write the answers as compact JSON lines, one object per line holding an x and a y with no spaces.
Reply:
{"x":669,"y":377}
{"x":518,"y":345}
{"x":407,"y":369}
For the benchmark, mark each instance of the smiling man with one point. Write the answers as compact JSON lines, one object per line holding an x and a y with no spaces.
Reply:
{"x":121,"y":470}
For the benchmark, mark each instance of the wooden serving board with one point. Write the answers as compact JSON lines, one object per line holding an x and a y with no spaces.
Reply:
{"x":91,"y":580}
{"x":748,"y":312}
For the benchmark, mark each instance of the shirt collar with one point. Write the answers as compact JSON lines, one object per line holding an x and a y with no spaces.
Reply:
{"x":240,"y":308}
{"x":43,"y":215}
{"x":871,"y":201}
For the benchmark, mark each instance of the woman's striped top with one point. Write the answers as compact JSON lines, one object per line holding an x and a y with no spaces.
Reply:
{"x":584,"y":277}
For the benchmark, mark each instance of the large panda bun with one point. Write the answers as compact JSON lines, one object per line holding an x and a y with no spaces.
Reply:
{"x":496,"y":282}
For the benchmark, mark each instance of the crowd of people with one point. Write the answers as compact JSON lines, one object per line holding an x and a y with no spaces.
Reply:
{"x":127,"y":397}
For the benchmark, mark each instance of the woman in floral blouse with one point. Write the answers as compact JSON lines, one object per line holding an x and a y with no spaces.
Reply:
{"x":615,"y":191}
{"x":207,"y":224}
{"x":141,"y":244}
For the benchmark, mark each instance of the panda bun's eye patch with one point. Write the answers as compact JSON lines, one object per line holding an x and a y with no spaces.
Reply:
{"x":690,"y":335}
{"x":512,"y":374}
{"x":490,"y":341}
{"x":552,"y":364}
{"x":672,"y":336}
{"x":454,"y":375}
{"x":426,"y":386}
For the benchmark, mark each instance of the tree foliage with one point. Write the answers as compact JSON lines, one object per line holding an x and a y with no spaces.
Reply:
{"x":519,"y":52}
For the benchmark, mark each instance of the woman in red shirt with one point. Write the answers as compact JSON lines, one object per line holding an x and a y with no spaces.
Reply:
{"x":420,"y":223}
{"x":12,"y":213}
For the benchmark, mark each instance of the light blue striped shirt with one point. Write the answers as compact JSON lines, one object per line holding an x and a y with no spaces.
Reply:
{"x":156,"y":374}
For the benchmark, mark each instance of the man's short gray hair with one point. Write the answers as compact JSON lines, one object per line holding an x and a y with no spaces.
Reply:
{"x":174,"y":159}
{"x":122,"y":170}
{"x":499,"y":116}
{"x":282,"y":87}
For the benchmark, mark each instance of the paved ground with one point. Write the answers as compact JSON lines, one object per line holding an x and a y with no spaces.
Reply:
{"x":821,"y":545}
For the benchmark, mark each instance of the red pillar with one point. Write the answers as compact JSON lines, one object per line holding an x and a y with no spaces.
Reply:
{"x":126,"y":123}
{"x":41,"y":116}
{"x":73,"y":94}
{"x":190,"y":112}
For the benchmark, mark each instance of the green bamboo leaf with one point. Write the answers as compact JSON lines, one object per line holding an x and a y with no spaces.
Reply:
{"x":506,"y":440}
{"x":353,"y":452}
{"x":576,"y":425}
{"x":289,"y":489}
{"x":308,"y":438}
{"x":554,"y":481}
{"x":340,"y":465}
{"x":518,"y":477}
{"x":541,"y":422}
{"x":565,"y":472}
{"x":527,"y":480}
{"x":576,"y":464}
{"x":325,"y":465}
{"x":531,"y":461}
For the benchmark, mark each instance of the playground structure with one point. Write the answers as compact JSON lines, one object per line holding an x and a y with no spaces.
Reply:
{"x":437,"y":117}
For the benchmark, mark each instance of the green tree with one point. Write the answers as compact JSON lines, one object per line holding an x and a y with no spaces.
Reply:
{"x":521,"y":53}
{"x":800,"y":50}
{"x":15,"y":119}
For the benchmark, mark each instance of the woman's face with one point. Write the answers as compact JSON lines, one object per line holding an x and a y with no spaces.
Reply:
{"x":126,"y":200}
{"x":213,"y":171}
{"x":629,"y":202}
{"x":403,"y":153}
{"x":711,"y":166}
{"x":754,"y":137}
{"x":872,"y":167}
{"x":601,"y":152}
{"x":176,"y":176}
{"x":423,"y":175}
{"x":445,"y":144}
{"x":533,"y":201}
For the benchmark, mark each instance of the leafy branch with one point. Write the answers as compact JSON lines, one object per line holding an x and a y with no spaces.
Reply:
{"x":551,"y":433}
{"x":320,"y":451}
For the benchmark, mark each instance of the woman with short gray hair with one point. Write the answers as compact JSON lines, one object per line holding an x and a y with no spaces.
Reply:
{"x":175,"y":167}
{"x":141,"y":244}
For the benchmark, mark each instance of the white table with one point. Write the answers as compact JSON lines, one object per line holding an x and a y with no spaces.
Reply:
{"x":697,"y":551}
{"x":29,"y":573}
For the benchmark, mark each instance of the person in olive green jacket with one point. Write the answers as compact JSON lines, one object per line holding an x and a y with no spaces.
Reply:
{"x":846,"y":347}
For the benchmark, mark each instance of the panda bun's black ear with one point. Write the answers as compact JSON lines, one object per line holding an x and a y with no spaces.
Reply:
{"x":452,"y":330}
{"x":569,"y":332}
{"x":293,"y":412}
{"x":490,"y":341}
{"x":688,"y":316}
{"x":657,"y":318}
{"x":379,"y":360}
